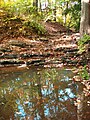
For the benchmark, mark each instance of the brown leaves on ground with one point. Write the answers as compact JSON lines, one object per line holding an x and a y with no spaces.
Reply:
{"x":55,"y":48}
{"x":54,"y":27}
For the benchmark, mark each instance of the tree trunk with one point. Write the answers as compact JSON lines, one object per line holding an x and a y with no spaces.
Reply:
{"x":85,"y":18}
{"x":35,"y":3}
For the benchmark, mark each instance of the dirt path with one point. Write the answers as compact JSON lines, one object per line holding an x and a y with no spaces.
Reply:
{"x":53,"y":50}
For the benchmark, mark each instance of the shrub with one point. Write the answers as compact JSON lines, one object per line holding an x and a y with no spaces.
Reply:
{"x":83,"y":42}
{"x":37,"y":27}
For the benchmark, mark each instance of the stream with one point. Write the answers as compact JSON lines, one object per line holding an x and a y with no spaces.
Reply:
{"x":42,"y":94}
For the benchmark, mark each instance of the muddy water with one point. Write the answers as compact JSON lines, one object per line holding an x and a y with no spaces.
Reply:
{"x":41,"y":94}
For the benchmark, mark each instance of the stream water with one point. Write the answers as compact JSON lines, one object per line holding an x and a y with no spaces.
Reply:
{"x":40,"y":94}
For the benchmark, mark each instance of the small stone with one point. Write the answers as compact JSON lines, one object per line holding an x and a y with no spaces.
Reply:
{"x":17,"y":43}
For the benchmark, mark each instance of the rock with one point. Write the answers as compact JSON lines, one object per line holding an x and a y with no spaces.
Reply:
{"x":17,"y":43}
{"x":36,"y":62}
{"x":43,"y":39}
{"x":28,"y":55}
{"x":11,"y":56}
{"x":11,"y":62}
{"x":58,"y":49}
{"x":4,"y":48}
{"x":71,"y":50}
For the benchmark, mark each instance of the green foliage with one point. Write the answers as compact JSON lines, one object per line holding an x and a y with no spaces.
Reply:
{"x":82,"y":42}
{"x":23,"y":11}
{"x":37,"y":27}
{"x":73,"y":10}
{"x":84,"y":73}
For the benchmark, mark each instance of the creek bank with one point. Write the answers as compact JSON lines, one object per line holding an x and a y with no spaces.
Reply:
{"x":52,"y":50}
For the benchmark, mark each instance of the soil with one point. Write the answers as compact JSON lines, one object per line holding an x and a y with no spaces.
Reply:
{"x":54,"y":49}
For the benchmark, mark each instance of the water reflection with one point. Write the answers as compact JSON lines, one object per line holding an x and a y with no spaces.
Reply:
{"x":38,"y":94}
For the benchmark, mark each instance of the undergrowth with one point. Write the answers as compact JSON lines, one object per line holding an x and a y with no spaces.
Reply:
{"x":84,"y":73}
{"x":23,"y":15}
{"x":82,"y":43}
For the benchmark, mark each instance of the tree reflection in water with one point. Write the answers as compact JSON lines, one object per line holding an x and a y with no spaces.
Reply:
{"x":38,"y":94}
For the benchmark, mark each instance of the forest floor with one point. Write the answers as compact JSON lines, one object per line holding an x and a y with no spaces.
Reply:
{"x":54,"y":49}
